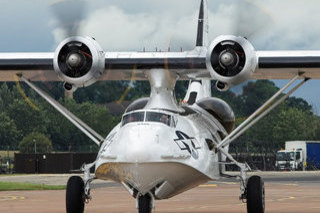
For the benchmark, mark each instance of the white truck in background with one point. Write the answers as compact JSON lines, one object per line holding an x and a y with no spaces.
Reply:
{"x":299,"y":155}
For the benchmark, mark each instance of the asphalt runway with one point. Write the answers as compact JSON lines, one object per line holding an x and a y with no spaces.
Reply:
{"x":285,"y":193}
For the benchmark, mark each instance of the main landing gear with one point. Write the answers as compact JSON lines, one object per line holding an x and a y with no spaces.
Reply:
{"x":75,"y":198}
{"x":255,"y":195}
{"x":252,"y":191}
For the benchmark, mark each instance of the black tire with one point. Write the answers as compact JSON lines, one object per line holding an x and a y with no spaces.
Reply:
{"x":255,"y":195}
{"x":145,"y":204}
{"x":75,"y":195}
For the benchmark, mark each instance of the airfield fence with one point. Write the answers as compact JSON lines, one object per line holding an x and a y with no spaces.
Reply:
{"x":51,"y":163}
{"x":71,"y":162}
{"x":256,"y":161}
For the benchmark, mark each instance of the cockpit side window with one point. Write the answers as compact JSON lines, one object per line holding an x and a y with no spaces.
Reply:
{"x":133,"y":117}
{"x":158,"y":117}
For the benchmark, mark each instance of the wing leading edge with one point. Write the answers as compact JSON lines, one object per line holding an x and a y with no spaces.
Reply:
{"x":188,"y":65}
{"x":35,"y":66}
{"x":118,"y":65}
{"x":286,"y":64}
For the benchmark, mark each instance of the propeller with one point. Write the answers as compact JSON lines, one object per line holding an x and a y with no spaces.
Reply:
{"x":69,"y":15}
{"x":250,"y":19}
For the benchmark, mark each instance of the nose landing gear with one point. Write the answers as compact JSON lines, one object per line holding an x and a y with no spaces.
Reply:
{"x":145,"y":203}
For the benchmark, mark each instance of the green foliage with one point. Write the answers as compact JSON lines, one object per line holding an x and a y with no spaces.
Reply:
{"x":255,"y":93}
{"x":13,"y":186}
{"x":6,"y":96}
{"x":108,"y":91}
{"x":9,"y":134}
{"x":299,"y":103}
{"x":298,"y":123}
{"x":67,"y":137}
{"x":35,"y":142}
{"x":27,"y":119}
{"x":292,"y":120}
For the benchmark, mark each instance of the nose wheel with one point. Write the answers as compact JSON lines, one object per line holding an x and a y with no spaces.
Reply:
{"x":255,"y":195}
{"x":145,"y":203}
{"x":75,"y":197}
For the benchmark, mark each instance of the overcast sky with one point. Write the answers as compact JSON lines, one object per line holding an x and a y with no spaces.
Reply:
{"x":118,"y":25}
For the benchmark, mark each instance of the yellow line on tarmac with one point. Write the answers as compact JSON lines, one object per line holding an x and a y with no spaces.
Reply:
{"x":7,"y":198}
{"x":209,"y":185}
{"x":290,"y":184}
{"x":227,"y":183}
{"x":285,"y":198}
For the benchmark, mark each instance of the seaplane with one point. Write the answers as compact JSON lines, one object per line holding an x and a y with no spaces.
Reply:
{"x":162,"y":148}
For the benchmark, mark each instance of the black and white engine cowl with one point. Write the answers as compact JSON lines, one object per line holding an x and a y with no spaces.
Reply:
{"x":230,"y":60}
{"x":79,"y":62}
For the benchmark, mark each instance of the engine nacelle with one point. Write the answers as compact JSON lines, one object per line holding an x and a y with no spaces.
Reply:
{"x":220,"y":110}
{"x":79,"y":62}
{"x":231,"y":60}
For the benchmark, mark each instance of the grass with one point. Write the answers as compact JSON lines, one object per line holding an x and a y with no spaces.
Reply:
{"x":12,"y":186}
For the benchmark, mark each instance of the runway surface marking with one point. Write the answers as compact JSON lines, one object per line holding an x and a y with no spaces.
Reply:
{"x":209,"y":185}
{"x":284,"y":195}
{"x":8,"y":198}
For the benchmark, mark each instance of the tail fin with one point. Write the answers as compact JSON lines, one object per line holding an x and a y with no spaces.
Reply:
{"x":200,"y":88}
{"x":203,"y":25}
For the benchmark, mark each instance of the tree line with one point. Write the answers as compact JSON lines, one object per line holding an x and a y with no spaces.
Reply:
{"x":20,"y":117}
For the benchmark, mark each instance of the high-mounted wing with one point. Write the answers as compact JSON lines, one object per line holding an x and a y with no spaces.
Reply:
{"x":35,"y":66}
{"x":80,"y":61}
{"x":286,"y":64}
{"x":117,"y":65}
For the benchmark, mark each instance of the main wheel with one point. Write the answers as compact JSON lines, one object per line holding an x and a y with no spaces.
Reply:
{"x":75,"y":195}
{"x":255,"y":195}
{"x":145,"y":204}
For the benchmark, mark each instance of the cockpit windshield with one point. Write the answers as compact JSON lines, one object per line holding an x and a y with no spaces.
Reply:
{"x":158,"y":117}
{"x":133,"y":117}
{"x":150,"y":117}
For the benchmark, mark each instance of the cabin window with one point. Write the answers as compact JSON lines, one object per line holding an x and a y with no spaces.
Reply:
{"x":158,"y":117}
{"x":133,"y":117}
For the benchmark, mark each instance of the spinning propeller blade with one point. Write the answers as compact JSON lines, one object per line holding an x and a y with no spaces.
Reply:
{"x":250,"y":19}
{"x":69,"y":14}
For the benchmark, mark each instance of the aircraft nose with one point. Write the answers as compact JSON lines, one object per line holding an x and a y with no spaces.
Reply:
{"x":140,"y":144}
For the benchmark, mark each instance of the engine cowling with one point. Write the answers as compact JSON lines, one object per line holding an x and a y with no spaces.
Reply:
{"x":79,"y":62}
{"x":220,"y":110}
{"x":231,"y":60}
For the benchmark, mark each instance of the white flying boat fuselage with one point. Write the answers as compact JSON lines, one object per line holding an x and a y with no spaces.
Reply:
{"x":161,"y":152}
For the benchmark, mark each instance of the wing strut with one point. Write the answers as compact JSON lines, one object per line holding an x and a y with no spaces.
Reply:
{"x":93,"y":135}
{"x":262,"y":111}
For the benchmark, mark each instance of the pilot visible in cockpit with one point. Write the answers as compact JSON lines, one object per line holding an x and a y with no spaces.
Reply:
{"x":164,"y":119}
{"x":131,"y":119}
